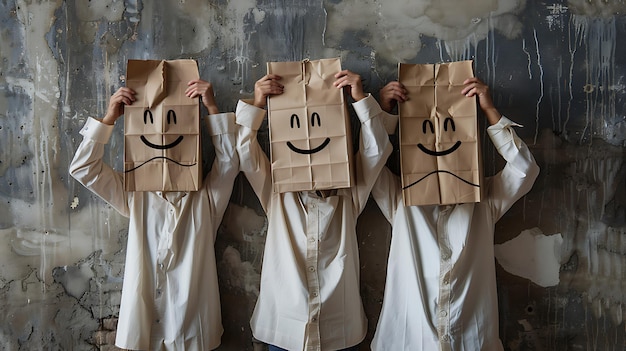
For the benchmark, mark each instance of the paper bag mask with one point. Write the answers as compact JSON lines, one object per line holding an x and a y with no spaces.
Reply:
{"x":439,"y":143}
{"x":162,"y":128}
{"x":309,"y":125}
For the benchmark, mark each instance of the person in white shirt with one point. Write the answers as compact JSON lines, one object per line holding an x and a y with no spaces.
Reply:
{"x":440,"y":291}
{"x":309,"y":297}
{"x":170,"y":296}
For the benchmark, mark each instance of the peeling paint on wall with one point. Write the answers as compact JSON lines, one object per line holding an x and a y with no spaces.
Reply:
{"x":532,"y":255}
{"x":556,"y":67}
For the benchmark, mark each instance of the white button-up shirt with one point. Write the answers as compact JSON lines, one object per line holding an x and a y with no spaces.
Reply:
{"x":170,"y":296}
{"x":440,"y":292}
{"x":309,"y":298}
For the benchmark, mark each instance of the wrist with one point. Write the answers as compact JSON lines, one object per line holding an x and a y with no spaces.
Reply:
{"x":108,"y":119}
{"x":359,"y":97}
{"x":493,"y":115}
{"x":212,"y":109}
{"x":259,"y":103}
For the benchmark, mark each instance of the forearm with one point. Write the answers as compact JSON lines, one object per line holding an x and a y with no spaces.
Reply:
{"x":253,"y":161}
{"x":374,"y":149}
{"x":226,"y":163}
{"x":88,"y":168}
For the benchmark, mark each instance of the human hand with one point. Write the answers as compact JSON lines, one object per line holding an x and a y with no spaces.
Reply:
{"x":352,"y":82}
{"x":391,"y":94}
{"x":266,"y":86}
{"x":475,"y":87}
{"x":204,"y":89}
{"x":123,"y":96}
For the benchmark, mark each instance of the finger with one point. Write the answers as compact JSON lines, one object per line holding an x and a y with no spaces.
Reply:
{"x":272,"y":76}
{"x":468,"y":87}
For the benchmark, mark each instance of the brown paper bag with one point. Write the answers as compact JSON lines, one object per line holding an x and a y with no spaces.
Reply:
{"x":162,"y":147}
{"x":309,"y":125}
{"x":439,"y":140}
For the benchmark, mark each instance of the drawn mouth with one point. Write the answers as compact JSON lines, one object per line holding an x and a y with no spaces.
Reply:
{"x":440,"y":171}
{"x":158,"y":157}
{"x":162,"y":147}
{"x":308,"y":152}
{"x":439,"y":153}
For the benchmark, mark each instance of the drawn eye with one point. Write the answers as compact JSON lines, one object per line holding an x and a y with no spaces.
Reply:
{"x":430,"y":124}
{"x":315,"y":116}
{"x":147,"y":113}
{"x":295,"y":117}
{"x":171,"y":115}
{"x":445,"y":124}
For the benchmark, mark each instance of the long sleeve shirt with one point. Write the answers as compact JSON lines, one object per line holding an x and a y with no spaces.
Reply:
{"x":170,"y":297}
{"x":440,"y":291}
{"x":309,"y":298}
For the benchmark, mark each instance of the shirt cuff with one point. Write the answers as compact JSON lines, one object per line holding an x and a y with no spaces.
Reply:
{"x":367,"y":108}
{"x":502,"y":132}
{"x":97,"y":131}
{"x":249,"y":115}
{"x":221,"y":123}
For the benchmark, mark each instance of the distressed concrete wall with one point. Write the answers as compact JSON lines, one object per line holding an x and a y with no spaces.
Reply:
{"x":557,"y":67}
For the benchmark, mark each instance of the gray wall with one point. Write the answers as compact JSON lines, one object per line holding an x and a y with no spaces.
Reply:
{"x":557,"y":67}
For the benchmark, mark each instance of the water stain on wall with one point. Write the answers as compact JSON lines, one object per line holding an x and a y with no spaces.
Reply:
{"x":556,"y":67}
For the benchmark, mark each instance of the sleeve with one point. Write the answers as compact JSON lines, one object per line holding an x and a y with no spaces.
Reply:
{"x":88,"y":168}
{"x":374,"y":149}
{"x":253,"y":162}
{"x":518,"y":175}
{"x":219,"y":182}
{"x":387,"y":190}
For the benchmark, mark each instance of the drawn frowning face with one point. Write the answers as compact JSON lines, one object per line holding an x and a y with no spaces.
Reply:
{"x":161,"y":128}
{"x":448,"y":128}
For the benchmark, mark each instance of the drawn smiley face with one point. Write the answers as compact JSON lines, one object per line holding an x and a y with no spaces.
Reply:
{"x":295,"y":121}
{"x":427,"y":124}
{"x":171,"y":118}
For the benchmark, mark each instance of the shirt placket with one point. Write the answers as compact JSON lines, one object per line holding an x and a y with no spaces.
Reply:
{"x":164,"y":243}
{"x":443,"y":306}
{"x":312,"y":236}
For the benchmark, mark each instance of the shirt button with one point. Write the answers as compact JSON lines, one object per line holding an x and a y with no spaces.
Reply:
{"x":313,"y":319}
{"x":313,"y":206}
{"x":315,"y":294}
{"x":445,"y":337}
{"x":311,"y":269}
{"x":443,"y":313}
{"x":312,"y":240}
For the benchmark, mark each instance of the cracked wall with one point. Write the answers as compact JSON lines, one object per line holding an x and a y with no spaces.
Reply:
{"x":557,"y":67}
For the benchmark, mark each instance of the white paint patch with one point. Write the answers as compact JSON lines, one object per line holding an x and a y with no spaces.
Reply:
{"x":532,"y":255}
{"x":74,"y":203}
{"x":401,"y":23}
